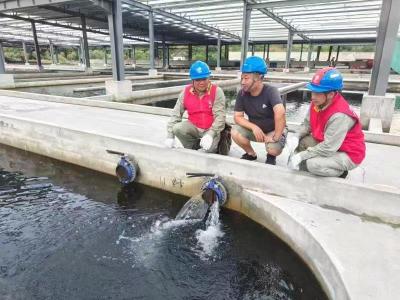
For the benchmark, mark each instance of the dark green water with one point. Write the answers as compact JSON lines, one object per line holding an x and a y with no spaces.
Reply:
{"x":70,"y":233}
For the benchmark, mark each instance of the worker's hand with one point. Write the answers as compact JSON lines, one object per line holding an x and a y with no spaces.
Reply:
{"x":169,"y":142}
{"x":269,"y":139}
{"x":294,"y":161}
{"x":258,"y":133}
{"x":292,"y":144}
{"x":295,"y":142}
{"x":206,"y":142}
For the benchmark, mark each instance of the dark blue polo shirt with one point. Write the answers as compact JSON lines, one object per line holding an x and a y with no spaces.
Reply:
{"x":259,"y":108}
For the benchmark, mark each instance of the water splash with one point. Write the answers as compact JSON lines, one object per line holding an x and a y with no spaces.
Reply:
{"x":208,"y":239}
{"x":146,"y":248}
{"x":213,"y":217}
{"x":195,"y":208}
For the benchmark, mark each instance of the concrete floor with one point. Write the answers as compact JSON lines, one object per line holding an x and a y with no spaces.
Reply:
{"x":379,"y":168}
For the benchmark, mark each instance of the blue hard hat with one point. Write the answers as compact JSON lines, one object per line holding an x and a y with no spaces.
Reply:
{"x":254,"y":64}
{"x":326,"y":80}
{"x":199,"y":70}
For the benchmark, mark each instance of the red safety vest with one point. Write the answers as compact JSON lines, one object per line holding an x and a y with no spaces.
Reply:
{"x":200,"y":109}
{"x":354,"y":143}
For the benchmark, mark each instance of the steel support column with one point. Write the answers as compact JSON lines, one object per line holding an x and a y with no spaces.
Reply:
{"x":156,"y":54}
{"x":337,"y":53}
{"x":207,"y":54}
{"x":133,"y":49}
{"x":105,"y":56}
{"x":56,"y":54}
{"x":268,"y":52}
{"x":226,"y":54}
{"x":81,"y":53}
{"x":190,"y":53}
{"x":310,"y":46}
{"x":264,"y":52}
{"x":78,"y":53}
{"x":289,"y":49}
{"x":385,"y":44}
{"x":164,"y":54}
{"x":330,"y":52}
{"x":85,"y":42}
{"x":51,"y":48}
{"x":318,"y":52}
{"x":167,"y":56}
{"x":151,"y":40}
{"x":219,"y":51}
{"x":37,"y":48}
{"x":130,"y":52}
{"x":115,"y":29}
{"x":2,"y":60}
{"x":26,"y":57}
{"x":245,"y":31}
{"x":301,"y":52}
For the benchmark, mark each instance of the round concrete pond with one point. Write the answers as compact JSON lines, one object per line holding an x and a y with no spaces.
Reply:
{"x":71,"y":233}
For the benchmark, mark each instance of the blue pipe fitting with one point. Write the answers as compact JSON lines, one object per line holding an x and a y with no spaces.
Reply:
{"x":126,"y":170}
{"x":215,"y":185}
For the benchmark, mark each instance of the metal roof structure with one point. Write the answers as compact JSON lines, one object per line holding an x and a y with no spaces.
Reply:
{"x":314,"y":20}
{"x":203,"y":22}
{"x":61,"y":22}
{"x":193,"y":21}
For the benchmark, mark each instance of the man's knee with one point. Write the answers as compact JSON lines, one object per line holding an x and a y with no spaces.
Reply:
{"x":305,"y":142}
{"x":274,"y":151}
{"x":276,"y":148}
{"x":319,"y":166}
{"x":311,"y":166}
{"x":235,"y":134}
{"x":180,"y":129}
{"x":177,"y":128}
{"x":238,"y":135}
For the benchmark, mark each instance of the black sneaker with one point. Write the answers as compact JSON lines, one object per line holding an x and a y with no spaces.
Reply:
{"x":271,"y":160}
{"x":344,"y":174}
{"x":247,"y":156}
{"x":196,"y":145}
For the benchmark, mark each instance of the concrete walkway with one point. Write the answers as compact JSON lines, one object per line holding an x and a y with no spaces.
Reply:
{"x":355,"y":253}
{"x":152,"y":128}
{"x":347,"y":233}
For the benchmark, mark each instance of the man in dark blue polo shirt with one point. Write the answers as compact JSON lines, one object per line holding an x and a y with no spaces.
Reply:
{"x":265,"y":110}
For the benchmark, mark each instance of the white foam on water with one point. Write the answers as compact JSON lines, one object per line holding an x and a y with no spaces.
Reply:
{"x":160,"y":227}
{"x":208,"y":239}
{"x":144,"y":248}
{"x":123,"y":237}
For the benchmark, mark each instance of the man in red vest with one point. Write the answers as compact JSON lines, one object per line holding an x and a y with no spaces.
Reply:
{"x":205,"y":104}
{"x":331,"y":139}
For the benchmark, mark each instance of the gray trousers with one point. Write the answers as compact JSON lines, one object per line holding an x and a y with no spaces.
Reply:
{"x":189,"y":135}
{"x":332,"y":166}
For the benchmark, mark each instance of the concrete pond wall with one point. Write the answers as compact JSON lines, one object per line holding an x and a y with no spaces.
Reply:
{"x":327,"y":221}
